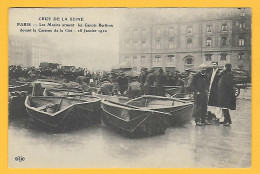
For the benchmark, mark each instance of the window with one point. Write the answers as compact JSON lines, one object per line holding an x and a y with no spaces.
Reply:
{"x":127,"y":59}
{"x":144,"y":32}
{"x":134,"y":59}
{"x":189,"y":30}
{"x":170,"y":58}
{"x":224,"y":27}
{"x":242,"y":26}
{"x":158,"y":44}
{"x":143,"y":59}
{"x":209,"y":42}
{"x":127,"y":46}
{"x":189,"y":43}
{"x":171,"y":31}
{"x":223,"y":56}
{"x":208,"y":57}
{"x":209,"y":28}
{"x":241,"y":56}
{"x":241,"y":41}
{"x":143,"y":45}
{"x":171,"y":45}
{"x":188,"y":63}
{"x":158,"y":32}
{"x":135,"y":34}
{"x":157,"y":58}
{"x":135,"y":45}
{"x":224,"y":41}
{"x":242,"y":13}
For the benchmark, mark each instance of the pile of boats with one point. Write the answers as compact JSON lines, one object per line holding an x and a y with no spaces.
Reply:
{"x":59,"y":110}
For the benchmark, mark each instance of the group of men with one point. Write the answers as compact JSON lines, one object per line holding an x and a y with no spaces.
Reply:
{"x":148,"y":82}
{"x":213,"y":94}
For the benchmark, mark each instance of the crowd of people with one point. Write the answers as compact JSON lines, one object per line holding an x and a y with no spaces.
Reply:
{"x":212,"y":88}
{"x":149,"y":82}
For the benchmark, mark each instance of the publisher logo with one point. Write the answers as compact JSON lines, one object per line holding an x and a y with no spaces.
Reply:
{"x":19,"y":158}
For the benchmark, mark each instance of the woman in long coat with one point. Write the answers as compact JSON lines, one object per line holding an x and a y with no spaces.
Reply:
{"x":226,"y":95}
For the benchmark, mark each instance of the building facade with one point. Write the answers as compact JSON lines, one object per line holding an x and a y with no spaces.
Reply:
{"x":30,"y":52}
{"x":221,"y":35}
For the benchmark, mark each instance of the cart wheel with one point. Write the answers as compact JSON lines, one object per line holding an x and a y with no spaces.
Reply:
{"x":237,"y":91}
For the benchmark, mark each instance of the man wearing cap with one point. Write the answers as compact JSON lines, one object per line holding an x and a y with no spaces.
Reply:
{"x":200,"y":88}
{"x":107,"y":88}
{"x":149,"y":82}
{"x":134,"y":88}
{"x":142,"y":77}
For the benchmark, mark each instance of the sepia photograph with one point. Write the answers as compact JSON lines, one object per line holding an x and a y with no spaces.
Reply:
{"x":129,"y":87}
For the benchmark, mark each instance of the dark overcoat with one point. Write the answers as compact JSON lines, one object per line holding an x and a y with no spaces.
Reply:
{"x":142,"y":77}
{"x":160,"y":84}
{"x":213,"y":95}
{"x":226,"y":95}
{"x":150,"y":79}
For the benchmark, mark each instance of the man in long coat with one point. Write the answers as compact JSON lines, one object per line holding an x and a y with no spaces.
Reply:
{"x":150,"y":79}
{"x":214,"y":76}
{"x":160,"y":83}
{"x":142,"y":78}
{"x":122,"y":82}
{"x":200,"y":90}
{"x":226,"y":95}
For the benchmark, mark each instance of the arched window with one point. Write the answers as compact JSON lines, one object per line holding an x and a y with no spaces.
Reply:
{"x":189,"y":63}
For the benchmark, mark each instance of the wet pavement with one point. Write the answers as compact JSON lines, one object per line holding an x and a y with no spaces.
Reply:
{"x":189,"y":146}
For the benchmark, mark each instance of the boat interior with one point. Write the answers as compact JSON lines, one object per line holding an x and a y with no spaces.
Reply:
{"x":154,"y":103}
{"x":53,"y":104}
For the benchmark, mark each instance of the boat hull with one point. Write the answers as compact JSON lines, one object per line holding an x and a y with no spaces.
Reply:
{"x":132,"y":122}
{"x":180,"y":112}
{"x":73,"y":117}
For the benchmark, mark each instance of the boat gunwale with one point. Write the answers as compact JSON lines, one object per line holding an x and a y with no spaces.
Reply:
{"x":185,"y":103}
{"x":55,"y":113}
{"x":130,"y":107}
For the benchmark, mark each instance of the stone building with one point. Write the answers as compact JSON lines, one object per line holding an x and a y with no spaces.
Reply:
{"x":30,"y":52}
{"x":152,"y":40}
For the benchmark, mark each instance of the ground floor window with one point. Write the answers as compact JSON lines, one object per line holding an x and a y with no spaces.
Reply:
{"x":208,"y":57}
{"x":241,"y":56}
{"x":170,"y":69}
{"x":157,"y":58}
{"x":189,"y":63}
{"x":223,"y":56}
{"x":170,"y":58}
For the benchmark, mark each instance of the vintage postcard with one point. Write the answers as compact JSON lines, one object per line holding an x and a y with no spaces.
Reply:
{"x":129,"y":88}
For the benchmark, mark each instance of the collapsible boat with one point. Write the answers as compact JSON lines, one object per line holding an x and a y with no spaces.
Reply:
{"x":179,"y":111}
{"x":133,"y":121}
{"x":63,"y":113}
